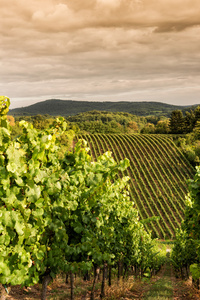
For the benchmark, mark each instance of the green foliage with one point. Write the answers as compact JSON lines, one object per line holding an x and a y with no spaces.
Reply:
{"x":187,"y":123}
{"x":29,"y":182}
{"x":158,"y":126}
{"x":4,"y":108}
{"x":195,"y":271}
{"x":162,"y":127}
{"x":176,"y":122}
{"x":39,"y":122}
{"x":197,"y":114}
{"x":190,"y":154}
{"x":183,"y":253}
{"x":187,"y":246}
{"x":190,"y":147}
{"x":196,"y":130}
{"x":107,"y":122}
{"x":149,"y":128}
{"x":63,"y":212}
{"x":4,"y":124}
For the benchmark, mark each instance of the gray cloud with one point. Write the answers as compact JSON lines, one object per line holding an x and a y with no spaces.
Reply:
{"x":93,"y":49}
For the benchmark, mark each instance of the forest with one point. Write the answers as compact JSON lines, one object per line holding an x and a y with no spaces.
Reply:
{"x":95,"y":196}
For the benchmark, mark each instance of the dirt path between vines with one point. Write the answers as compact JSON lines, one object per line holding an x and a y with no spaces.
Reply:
{"x":167,"y":286}
{"x":162,"y":287}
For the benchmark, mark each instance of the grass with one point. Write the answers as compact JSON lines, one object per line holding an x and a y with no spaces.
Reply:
{"x":161,"y":289}
{"x":125,"y":289}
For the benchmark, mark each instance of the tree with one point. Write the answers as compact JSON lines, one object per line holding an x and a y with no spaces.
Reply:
{"x":148,"y":128}
{"x":189,"y":121}
{"x":132,"y":127}
{"x":196,"y":114}
{"x":196,"y":130}
{"x":162,"y":126}
{"x":176,"y":124}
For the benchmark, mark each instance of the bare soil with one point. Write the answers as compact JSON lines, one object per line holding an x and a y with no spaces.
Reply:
{"x":120,"y":290}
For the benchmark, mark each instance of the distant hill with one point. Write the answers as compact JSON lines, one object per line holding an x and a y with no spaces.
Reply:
{"x":56,"y":107}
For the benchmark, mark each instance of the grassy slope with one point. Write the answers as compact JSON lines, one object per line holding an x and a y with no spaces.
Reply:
{"x":158,"y":176}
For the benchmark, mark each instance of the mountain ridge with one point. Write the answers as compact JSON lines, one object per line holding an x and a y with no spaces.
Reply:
{"x":58,"y":107}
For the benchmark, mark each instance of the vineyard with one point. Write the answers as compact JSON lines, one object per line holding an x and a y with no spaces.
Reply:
{"x":158,"y":176}
{"x":71,"y":212}
{"x":65,"y":213}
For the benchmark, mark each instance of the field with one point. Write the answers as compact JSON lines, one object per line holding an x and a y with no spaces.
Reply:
{"x":158,"y":176}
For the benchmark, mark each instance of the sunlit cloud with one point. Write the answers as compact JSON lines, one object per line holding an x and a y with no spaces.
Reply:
{"x":100,"y":50}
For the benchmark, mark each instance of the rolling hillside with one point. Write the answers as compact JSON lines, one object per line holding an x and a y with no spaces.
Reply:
{"x":158,"y":176}
{"x":56,"y":107}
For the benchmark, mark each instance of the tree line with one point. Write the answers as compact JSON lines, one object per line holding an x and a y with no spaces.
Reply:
{"x":182,"y":124}
{"x":119,"y":122}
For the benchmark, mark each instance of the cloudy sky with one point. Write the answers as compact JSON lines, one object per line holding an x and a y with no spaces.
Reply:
{"x":100,"y":50}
